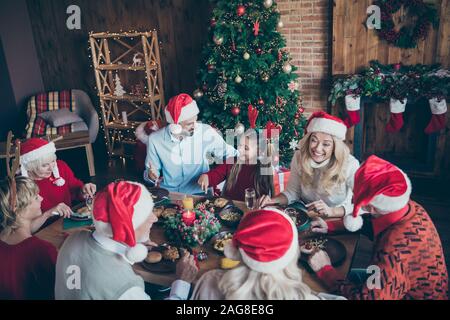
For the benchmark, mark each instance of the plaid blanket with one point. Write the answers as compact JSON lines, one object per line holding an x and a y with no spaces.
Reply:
{"x":48,"y":101}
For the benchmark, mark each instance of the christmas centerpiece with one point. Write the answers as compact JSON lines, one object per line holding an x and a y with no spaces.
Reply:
{"x":192,"y":226}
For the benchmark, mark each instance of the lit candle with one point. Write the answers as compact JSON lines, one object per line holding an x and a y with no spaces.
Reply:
{"x":188,"y":217}
{"x":124,"y":117}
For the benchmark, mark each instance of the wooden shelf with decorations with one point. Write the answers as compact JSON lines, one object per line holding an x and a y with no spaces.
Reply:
{"x":122,"y":112}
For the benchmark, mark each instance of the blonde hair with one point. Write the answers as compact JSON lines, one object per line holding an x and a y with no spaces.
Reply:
{"x":335,"y":175}
{"x":243,"y":283}
{"x":263,"y":180}
{"x":26,"y":191}
{"x":33,"y":166}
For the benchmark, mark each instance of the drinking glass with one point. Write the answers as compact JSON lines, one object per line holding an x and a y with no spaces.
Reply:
{"x":250,"y":198}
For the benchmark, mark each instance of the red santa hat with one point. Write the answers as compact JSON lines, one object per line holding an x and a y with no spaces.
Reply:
{"x":323,"y":122}
{"x":119,"y":210}
{"x":144,"y":130}
{"x":380,"y":184}
{"x":180,"y":108}
{"x":34,"y":149}
{"x":266,"y":241}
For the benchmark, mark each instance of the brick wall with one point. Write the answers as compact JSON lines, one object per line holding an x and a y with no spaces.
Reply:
{"x":308,"y":34}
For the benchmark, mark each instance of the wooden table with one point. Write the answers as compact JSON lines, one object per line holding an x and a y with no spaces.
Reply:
{"x":56,"y":235}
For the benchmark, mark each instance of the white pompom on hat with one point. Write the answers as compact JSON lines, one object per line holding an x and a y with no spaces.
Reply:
{"x":380,"y":184}
{"x":34,"y":149}
{"x":180,"y":108}
{"x":119,"y":210}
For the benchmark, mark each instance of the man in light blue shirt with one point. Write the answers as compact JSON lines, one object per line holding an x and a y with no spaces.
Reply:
{"x":179,"y":152}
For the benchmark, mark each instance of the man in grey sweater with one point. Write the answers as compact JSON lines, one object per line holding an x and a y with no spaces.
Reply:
{"x":98,"y":265}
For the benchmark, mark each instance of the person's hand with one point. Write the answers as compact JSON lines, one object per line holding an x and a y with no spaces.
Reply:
{"x":152,"y":173}
{"x":89,"y":189}
{"x":62,"y":209}
{"x":187,"y":269}
{"x":318,"y":225}
{"x":319,"y":209}
{"x":264,"y":201}
{"x":319,"y":259}
{"x":150,"y":244}
{"x":203,"y":181}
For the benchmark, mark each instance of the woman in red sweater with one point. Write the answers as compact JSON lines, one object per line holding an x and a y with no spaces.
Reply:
{"x":57,"y":183}
{"x":249,"y":170}
{"x":28,"y":263}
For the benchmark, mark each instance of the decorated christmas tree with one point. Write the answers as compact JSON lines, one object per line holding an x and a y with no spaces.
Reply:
{"x":244,"y":67}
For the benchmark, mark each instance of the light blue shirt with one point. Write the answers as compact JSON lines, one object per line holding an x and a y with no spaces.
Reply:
{"x":181,"y":162}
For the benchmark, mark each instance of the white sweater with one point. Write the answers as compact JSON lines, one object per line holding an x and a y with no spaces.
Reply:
{"x":340,"y":197}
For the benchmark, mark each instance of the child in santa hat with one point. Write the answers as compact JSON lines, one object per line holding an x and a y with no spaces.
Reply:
{"x":408,"y":251}
{"x":57,"y":184}
{"x":179,"y":152}
{"x":322,"y":170}
{"x":247,"y":171}
{"x":266,"y":245}
{"x":28,"y":263}
{"x":123,"y":216}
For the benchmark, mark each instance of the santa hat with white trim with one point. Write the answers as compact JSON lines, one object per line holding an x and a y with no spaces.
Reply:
{"x":380,"y":184}
{"x":180,"y":108}
{"x":323,"y":122}
{"x":119,"y":210}
{"x":266,"y":241}
{"x":34,"y":149}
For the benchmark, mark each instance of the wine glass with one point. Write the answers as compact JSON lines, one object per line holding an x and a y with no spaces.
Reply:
{"x":250,"y":198}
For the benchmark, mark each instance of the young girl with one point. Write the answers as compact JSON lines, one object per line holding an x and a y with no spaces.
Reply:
{"x":249,"y":170}
{"x":28,"y":263}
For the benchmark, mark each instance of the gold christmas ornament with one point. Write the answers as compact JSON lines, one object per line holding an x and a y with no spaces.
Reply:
{"x":265,"y":77}
{"x":268,"y":3}
{"x":238,"y":79}
{"x":198,"y":94}
{"x":280,"y":24}
{"x":287,"y":68}
{"x":239,"y":129}
{"x":246,"y":56}
{"x":218,"y":40}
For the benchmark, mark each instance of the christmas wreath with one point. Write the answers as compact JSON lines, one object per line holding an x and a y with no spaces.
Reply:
{"x":204,"y":227}
{"x":408,"y":36}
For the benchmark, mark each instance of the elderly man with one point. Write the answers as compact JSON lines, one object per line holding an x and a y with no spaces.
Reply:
{"x":178,"y":154}
{"x":408,"y":251}
{"x":98,"y":265}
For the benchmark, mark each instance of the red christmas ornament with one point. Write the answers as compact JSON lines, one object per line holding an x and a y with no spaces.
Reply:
{"x":258,"y":51}
{"x":260,"y":101}
{"x":280,"y":55}
{"x":301,"y":109}
{"x":397,"y":66}
{"x":235,"y":111}
{"x":213,"y":22}
{"x":211,"y":67}
{"x":240,"y":10}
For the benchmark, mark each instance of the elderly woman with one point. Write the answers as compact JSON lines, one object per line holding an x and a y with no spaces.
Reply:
{"x":266,"y":244}
{"x":57,"y":184}
{"x":322,"y":170}
{"x":28,"y":263}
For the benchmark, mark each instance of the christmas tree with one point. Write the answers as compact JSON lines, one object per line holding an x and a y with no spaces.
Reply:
{"x":244,"y":64}
{"x":118,"y":89}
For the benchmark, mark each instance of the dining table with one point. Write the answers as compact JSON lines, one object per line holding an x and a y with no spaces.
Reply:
{"x":56,"y":233}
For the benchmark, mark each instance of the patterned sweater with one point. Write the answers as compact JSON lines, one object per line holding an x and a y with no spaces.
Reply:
{"x":408,"y":251}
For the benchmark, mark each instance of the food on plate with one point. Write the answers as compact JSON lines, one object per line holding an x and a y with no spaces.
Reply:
{"x":83,"y":212}
{"x":231,"y":216}
{"x":169,"y":212}
{"x":170,"y":253}
{"x":227,"y":263}
{"x":153,"y":257}
{"x":311,"y":245}
{"x":158,"y":211}
{"x":220,"y":243}
{"x":220,"y":202}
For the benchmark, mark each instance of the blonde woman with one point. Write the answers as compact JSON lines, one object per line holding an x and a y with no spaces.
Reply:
{"x":28,"y":263}
{"x":322,"y":170}
{"x":266,"y":244}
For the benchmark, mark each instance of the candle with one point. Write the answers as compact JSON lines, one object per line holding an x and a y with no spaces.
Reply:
{"x":188,"y":217}
{"x":125,"y":117}
{"x":188,"y":203}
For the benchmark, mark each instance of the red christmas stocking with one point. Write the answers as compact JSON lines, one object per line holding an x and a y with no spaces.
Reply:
{"x":438,"y":117}
{"x":397,"y":108}
{"x":352,"y":104}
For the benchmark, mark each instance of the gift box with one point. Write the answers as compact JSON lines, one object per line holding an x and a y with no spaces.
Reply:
{"x":280,"y":179}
